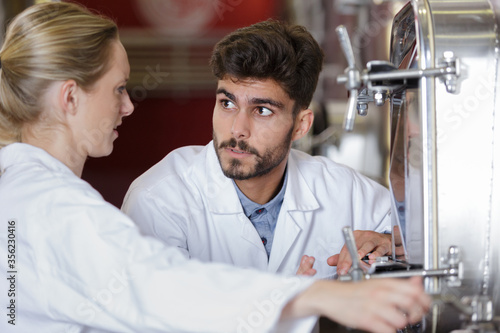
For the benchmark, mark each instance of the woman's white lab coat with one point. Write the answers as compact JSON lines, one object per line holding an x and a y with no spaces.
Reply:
{"x":186,"y":201}
{"x":80,"y":265}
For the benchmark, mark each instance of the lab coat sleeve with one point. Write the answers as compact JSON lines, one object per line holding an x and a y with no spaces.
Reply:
{"x":112,"y":278}
{"x":153,"y":218}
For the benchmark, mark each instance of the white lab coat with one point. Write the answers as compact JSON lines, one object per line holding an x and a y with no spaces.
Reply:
{"x":186,"y":201}
{"x":82,"y":266}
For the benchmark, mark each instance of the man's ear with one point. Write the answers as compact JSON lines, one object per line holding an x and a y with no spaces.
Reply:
{"x":303,"y":123}
{"x":68,"y":97}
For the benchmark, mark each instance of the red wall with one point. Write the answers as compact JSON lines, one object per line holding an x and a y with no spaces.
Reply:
{"x":159,"y":125}
{"x":230,"y":13}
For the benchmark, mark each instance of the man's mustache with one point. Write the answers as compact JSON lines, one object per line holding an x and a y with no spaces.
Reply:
{"x":241,"y":145}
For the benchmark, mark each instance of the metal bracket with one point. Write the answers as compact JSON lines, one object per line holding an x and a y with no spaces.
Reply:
{"x":453,"y":273}
{"x":382,"y":78}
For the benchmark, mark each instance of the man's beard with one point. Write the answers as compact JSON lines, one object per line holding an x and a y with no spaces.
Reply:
{"x":271,"y":158}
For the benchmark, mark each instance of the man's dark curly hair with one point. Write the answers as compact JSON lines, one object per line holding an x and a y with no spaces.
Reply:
{"x":288,"y":54}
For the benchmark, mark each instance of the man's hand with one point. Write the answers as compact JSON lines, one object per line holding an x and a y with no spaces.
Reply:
{"x":366,"y":241}
{"x":306,"y":264}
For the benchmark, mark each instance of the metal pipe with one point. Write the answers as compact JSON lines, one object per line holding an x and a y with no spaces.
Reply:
{"x":401,"y":74}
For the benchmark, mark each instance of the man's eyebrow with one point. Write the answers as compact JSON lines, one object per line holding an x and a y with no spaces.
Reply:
{"x":225,"y":92}
{"x":254,"y":101}
{"x":271,"y":102}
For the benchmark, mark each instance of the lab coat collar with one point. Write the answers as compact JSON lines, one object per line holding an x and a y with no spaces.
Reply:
{"x":298,"y":195}
{"x":223,"y":199}
{"x":21,"y":153}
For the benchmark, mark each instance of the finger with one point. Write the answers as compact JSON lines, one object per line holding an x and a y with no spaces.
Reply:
{"x":310,"y":272}
{"x":301,"y":266}
{"x":410,"y":298}
{"x":366,"y":241}
{"x":306,"y":263}
{"x":393,"y":317}
{"x":415,"y":310}
{"x":311,"y":261}
{"x":423,"y":301}
{"x":401,"y":301}
{"x":366,"y":248}
{"x":344,"y":266}
{"x":416,"y":314}
{"x":380,"y":251}
{"x":333,"y":260}
{"x":344,"y":261}
{"x":381,"y":246}
{"x":342,"y":256}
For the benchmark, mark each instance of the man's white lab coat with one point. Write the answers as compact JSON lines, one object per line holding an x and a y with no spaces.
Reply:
{"x":80,"y":265}
{"x":186,"y":201}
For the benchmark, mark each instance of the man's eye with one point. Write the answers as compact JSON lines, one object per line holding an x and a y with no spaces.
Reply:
{"x":227,"y":104}
{"x":264,"y":111}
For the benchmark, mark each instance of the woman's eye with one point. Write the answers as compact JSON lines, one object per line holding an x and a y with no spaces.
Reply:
{"x":122,"y":89}
{"x":264,"y":111}
{"x":227,"y":104}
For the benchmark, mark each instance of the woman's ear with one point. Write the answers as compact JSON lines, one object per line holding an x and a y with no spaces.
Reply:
{"x":68,"y":97}
{"x":303,"y":123}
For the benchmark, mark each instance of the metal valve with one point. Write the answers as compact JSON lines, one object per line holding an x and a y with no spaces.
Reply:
{"x":381,"y":78}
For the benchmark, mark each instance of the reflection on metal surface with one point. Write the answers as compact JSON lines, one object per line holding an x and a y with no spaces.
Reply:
{"x":444,"y":168}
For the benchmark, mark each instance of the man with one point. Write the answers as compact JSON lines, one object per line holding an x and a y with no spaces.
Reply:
{"x":247,"y":198}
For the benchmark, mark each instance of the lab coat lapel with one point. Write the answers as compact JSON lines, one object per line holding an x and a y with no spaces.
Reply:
{"x":293,"y":216}
{"x":219,"y":190}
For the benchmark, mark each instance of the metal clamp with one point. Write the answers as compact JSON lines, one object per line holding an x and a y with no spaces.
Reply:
{"x":382,"y":78}
{"x":453,"y":273}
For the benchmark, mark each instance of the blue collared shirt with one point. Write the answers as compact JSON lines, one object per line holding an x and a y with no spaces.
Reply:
{"x":263,"y":217}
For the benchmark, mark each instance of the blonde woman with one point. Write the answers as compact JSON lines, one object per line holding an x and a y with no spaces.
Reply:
{"x":75,"y":263}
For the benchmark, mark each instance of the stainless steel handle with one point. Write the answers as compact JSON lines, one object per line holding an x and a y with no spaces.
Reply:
{"x":356,"y":272}
{"x":346,"y":46}
{"x":353,"y":82}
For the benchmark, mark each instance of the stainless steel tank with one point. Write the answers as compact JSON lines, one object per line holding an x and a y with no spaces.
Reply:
{"x":442,"y":83}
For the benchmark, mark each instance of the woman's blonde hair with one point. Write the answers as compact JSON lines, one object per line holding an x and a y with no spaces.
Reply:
{"x":49,"y":42}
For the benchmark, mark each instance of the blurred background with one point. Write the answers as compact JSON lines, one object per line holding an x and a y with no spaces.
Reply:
{"x":169,"y":44}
